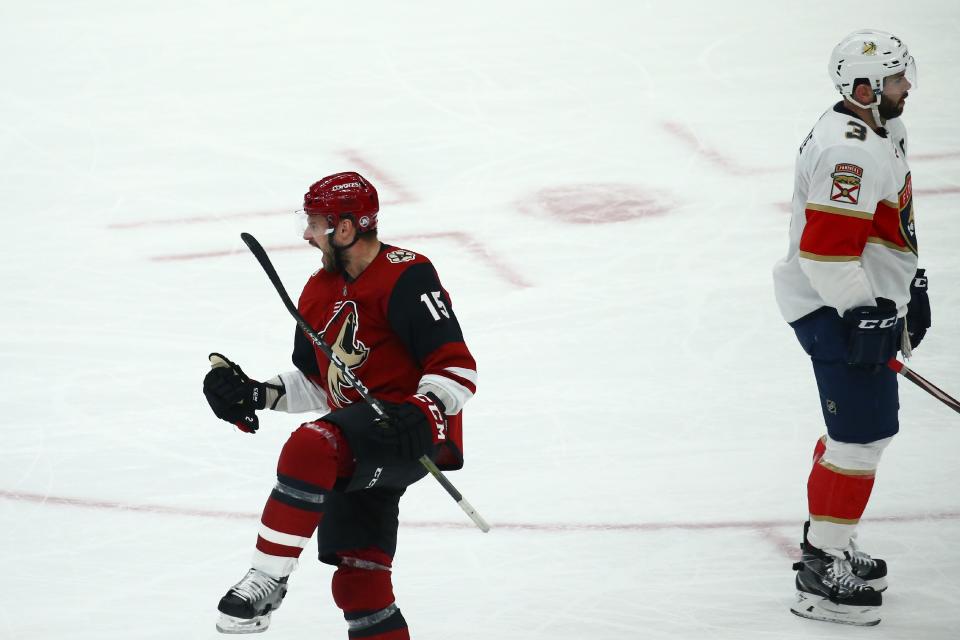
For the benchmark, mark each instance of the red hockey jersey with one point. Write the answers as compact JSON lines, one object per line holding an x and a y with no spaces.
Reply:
{"x":394,"y":327}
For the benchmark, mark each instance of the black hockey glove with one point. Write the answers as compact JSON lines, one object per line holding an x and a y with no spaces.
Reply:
{"x":415,"y":426}
{"x":918,"y":309}
{"x":873,"y":334}
{"x":233,"y":396}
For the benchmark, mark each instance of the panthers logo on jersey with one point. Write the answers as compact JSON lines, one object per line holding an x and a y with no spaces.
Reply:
{"x":907,"y":228}
{"x":346,"y":347}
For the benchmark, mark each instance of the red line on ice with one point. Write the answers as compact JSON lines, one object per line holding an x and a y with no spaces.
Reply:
{"x":720,"y":160}
{"x":160,"y":222}
{"x":473,"y":246}
{"x":935,"y":156}
{"x":936,"y":191}
{"x":203,"y":219}
{"x":402,"y":195}
{"x":545,"y":527}
{"x":731,"y":166}
{"x":173,"y":257}
{"x":479,"y":250}
{"x":378,"y":176}
{"x":787,"y":546}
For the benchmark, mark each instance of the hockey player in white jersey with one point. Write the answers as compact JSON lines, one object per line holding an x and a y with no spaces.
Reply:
{"x":850,"y":288}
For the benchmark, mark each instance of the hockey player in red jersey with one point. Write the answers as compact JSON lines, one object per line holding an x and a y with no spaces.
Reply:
{"x":385,"y":314}
{"x":850,"y":288}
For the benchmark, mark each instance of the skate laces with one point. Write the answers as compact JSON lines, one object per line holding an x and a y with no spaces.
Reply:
{"x":860,"y":558}
{"x":842,"y":577}
{"x":254,"y":586}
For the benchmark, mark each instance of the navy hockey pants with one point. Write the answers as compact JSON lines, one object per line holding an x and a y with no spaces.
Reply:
{"x":858,"y":405}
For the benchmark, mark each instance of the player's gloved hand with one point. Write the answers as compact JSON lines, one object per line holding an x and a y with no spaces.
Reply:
{"x":415,"y":425}
{"x":873,"y":334}
{"x":918,"y":309}
{"x":234,"y":397}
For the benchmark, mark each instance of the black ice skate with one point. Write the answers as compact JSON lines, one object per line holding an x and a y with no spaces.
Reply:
{"x":829,"y":590}
{"x":872,"y":570}
{"x":247,"y":606}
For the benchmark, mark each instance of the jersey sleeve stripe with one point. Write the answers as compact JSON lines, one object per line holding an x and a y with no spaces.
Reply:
{"x":462,"y":387}
{"x":469,"y":375}
{"x":453,"y":394}
{"x":819,"y":258}
{"x":823,"y":208}
{"x":886,"y":226}
{"x":463,"y":382}
{"x":828,"y":236}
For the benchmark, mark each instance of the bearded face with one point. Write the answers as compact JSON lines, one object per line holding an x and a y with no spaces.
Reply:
{"x":890,"y":108}
{"x":894,"y":96}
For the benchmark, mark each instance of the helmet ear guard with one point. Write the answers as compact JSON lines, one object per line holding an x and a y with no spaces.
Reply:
{"x":871,"y":55}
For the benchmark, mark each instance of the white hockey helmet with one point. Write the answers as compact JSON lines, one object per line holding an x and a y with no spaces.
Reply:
{"x":871,"y":55}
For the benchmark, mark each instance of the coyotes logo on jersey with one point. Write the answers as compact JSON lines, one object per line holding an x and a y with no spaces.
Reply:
{"x":346,"y":347}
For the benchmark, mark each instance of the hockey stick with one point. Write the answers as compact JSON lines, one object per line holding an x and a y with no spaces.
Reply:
{"x":261,"y":255}
{"x":924,"y":384}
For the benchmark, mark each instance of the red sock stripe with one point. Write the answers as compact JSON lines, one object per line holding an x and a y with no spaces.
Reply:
{"x":834,"y":495}
{"x":286,"y":519}
{"x":274,"y":549}
{"x":819,"y":449}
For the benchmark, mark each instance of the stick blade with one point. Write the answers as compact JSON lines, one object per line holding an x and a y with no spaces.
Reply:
{"x":252,"y":243}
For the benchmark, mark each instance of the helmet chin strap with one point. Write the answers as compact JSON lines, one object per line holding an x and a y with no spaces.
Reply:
{"x":873,"y":106}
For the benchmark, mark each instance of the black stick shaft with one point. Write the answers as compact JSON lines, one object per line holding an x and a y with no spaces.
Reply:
{"x":261,"y":255}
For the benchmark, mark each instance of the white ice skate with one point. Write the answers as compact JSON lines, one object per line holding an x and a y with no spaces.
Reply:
{"x":247,"y":606}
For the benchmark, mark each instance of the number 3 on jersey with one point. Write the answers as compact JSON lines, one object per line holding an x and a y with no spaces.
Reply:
{"x":435,"y":306}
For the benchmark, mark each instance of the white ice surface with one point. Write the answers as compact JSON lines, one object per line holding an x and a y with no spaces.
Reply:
{"x":641,"y":436}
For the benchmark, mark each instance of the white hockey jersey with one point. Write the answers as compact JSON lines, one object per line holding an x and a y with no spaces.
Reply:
{"x":852,"y":236}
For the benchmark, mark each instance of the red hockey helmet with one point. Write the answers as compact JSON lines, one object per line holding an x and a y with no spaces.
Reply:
{"x":346,"y":194}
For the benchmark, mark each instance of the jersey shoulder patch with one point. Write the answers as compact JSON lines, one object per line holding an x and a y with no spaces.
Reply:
{"x":399,"y":256}
{"x":846,"y":183}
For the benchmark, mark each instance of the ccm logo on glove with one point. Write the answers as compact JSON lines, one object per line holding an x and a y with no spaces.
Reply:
{"x":439,"y":423}
{"x":884,"y":323}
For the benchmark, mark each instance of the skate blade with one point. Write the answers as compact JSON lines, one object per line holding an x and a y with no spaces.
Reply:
{"x":230,"y":624}
{"x":818,"y":608}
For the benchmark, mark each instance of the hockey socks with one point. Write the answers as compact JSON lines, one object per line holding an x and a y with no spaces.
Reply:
{"x":363,"y":590}
{"x":837,"y":498}
{"x":839,"y":488}
{"x":309,"y":463}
